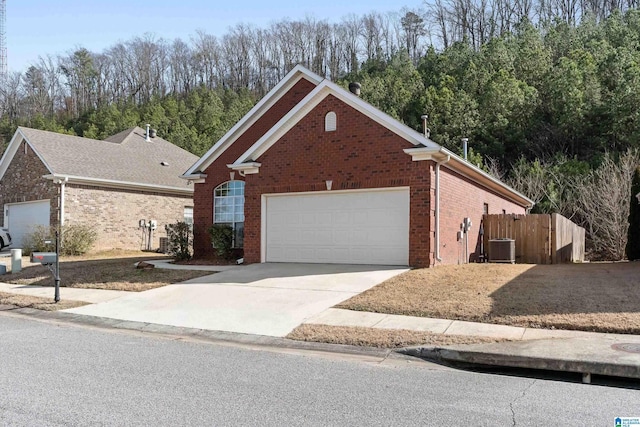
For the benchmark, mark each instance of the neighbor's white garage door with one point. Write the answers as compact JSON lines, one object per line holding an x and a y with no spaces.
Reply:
{"x":349,"y":227}
{"x":22,"y":218}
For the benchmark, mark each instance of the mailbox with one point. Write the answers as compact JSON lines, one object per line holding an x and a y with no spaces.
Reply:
{"x":44,"y":257}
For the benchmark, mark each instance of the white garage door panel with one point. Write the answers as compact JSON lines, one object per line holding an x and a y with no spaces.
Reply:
{"x":370,"y":227}
{"x":22,"y":218}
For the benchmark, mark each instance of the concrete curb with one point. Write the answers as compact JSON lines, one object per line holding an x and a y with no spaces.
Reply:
{"x":202,"y":334}
{"x":167,"y":264}
{"x":483,"y":358}
{"x":582,"y":355}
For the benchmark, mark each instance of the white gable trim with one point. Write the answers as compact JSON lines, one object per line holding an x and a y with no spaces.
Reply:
{"x":324,"y":89}
{"x":290,"y":80}
{"x":12,"y":149}
{"x":425,"y":148}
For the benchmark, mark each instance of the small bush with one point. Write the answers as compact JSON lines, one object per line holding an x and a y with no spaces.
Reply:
{"x":34,"y":241}
{"x":179,"y":235}
{"x":222,"y":239}
{"x":77,"y":239}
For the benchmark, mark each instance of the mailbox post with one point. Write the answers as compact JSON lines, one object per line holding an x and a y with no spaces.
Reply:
{"x":52,"y":261}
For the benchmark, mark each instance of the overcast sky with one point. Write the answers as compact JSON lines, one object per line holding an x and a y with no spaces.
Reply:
{"x":41,"y":27}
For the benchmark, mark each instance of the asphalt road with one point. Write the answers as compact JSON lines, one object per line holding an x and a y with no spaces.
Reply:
{"x":53,"y":374}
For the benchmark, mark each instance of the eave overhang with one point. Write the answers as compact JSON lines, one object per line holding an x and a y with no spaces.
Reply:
{"x":123,"y":185}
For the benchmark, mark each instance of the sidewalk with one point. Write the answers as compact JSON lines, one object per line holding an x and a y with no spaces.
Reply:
{"x":581,"y":352}
{"x":92,"y":296}
{"x":340,"y":317}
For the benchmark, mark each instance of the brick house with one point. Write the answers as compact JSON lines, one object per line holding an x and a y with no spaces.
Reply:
{"x":110,"y":184}
{"x":315,"y":174}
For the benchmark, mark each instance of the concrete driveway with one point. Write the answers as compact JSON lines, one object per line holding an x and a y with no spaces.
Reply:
{"x":263,"y":299}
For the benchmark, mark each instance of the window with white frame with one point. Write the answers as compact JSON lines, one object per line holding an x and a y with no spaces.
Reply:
{"x":330,"y":122}
{"x":188,"y":216}
{"x":228,"y":208}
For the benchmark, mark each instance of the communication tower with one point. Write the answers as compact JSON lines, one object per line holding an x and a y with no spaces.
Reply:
{"x":3,"y":42}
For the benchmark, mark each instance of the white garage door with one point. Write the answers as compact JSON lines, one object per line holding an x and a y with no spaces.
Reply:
{"x":21,"y":218}
{"x":350,"y":227}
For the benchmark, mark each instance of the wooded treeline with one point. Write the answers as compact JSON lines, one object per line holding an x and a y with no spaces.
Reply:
{"x":547,"y":91}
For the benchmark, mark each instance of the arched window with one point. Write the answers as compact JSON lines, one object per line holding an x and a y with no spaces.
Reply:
{"x":228,"y":208}
{"x":330,"y":122}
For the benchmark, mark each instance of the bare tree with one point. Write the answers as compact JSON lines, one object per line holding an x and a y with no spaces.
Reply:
{"x":181,"y":68}
{"x":206,"y":59}
{"x":12,"y":96}
{"x":372,"y":36}
{"x":350,"y":29}
{"x":439,"y":15}
{"x":603,"y":201}
{"x":494,"y":168}
{"x":52,"y":76}
{"x":529,"y":179}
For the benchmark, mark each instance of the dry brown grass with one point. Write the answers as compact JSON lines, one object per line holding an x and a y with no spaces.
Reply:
{"x":382,"y":338}
{"x":112,"y":270}
{"x":603,"y":297}
{"x":46,"y":304}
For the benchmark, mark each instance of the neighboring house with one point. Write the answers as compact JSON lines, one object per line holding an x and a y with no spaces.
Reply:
{"x":315,"y":174}
{"x":110,"y":185}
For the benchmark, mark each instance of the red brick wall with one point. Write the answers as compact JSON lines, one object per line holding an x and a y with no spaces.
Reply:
{"x":218,"y":172}
{"x":460,"y":198}
{"x":359,"y":154}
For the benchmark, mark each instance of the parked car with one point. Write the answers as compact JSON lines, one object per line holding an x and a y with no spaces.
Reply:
{"x":5,"y":238}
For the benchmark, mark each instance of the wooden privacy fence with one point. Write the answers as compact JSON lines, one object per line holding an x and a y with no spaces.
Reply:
{"x":539,"y":239}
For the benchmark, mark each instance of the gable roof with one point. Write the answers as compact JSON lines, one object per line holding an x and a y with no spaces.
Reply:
{"x":258,"y":110}
{"x":424,"y":148}
{"x":125,"y":160}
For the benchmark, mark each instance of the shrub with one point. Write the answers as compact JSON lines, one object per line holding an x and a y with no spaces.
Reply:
{"x":179,"y":235}
{"x":633,"y":240}
{"x":77,"y":239}
{"x":222,"y":239}
{"x":35,"y":241}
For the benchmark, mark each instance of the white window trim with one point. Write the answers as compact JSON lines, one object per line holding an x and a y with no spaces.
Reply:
{"x":233,"y":222}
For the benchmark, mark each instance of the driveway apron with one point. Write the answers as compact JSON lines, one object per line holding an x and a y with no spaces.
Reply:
{"x":263,"y":299}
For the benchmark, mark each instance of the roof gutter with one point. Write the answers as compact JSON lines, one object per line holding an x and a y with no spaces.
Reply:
{"x":194,"y":178}
{"x":124,"y":185}
{"x":467,"y":169}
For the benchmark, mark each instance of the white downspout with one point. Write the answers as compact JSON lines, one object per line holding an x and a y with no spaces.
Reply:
{"x":437,"y":208}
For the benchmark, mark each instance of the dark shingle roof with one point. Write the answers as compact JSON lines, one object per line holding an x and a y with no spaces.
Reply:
{"x":125,"y":157}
